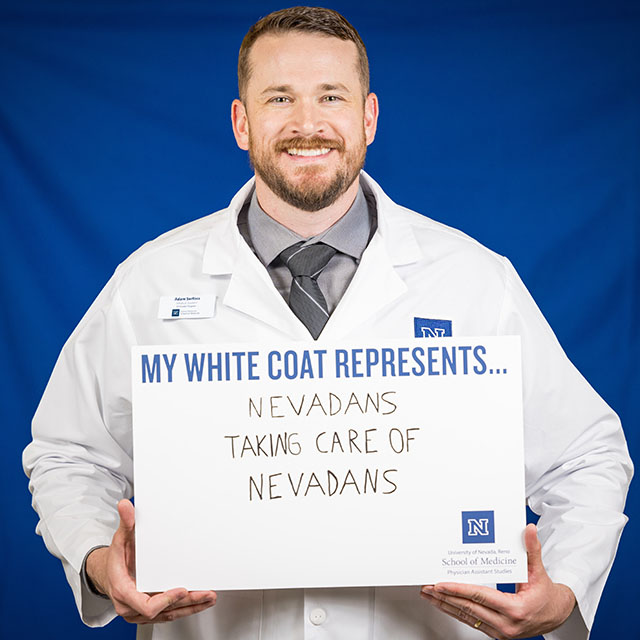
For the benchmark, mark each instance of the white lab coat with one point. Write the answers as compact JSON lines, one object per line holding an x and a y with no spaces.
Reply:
{"x":80,"y":460}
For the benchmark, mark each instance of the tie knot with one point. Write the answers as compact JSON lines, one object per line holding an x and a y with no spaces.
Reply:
{"x":307,"y":260}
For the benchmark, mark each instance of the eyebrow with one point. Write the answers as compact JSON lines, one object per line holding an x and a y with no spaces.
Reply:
{"x":287,"y":88}
{"x":282,"y":88}
{"x":335,"y":87}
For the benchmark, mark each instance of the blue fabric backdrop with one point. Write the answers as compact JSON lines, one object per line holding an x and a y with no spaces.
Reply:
{"x":518,"y":122}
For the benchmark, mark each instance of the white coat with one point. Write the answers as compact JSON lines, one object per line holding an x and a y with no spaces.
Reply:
{"x":80,"y":460}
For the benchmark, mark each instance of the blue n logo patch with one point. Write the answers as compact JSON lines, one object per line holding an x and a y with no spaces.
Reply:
{"x":431,"y":328}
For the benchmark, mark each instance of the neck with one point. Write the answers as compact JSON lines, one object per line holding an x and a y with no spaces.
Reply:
{"x":304,"y":223}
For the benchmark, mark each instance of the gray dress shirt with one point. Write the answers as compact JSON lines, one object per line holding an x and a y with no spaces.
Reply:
{"x":349,"y":235}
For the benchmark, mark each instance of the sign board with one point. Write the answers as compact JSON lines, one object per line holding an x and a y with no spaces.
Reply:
{"x":328,"y":465}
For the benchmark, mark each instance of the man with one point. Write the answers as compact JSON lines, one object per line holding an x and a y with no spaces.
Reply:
{"x":314,"y":248}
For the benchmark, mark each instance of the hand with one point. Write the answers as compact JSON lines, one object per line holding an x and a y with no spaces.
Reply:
{"x":112,"y":571}
{"x":537,"y":606}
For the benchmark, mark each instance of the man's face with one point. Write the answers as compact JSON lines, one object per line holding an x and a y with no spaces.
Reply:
{"x":305,"y":120}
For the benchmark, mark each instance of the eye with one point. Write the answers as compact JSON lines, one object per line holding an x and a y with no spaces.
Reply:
{"x":331,"y":98}
{"x":280,"y":100}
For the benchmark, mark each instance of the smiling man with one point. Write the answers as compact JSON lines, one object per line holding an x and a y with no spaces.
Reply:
{"x":306,"y":117}
{"x":313,"y":248}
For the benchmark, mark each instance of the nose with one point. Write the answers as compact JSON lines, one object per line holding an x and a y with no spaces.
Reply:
{"x":307,"y":118}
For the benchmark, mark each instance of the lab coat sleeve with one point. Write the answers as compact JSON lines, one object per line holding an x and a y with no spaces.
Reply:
{"x":80,"y":460}
{"x":576,"y":461}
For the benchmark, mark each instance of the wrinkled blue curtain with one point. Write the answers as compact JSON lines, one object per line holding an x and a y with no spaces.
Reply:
{"x":518,"y":122}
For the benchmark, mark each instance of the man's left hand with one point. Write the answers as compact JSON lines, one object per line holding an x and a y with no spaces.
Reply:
{"x":537,"y":606}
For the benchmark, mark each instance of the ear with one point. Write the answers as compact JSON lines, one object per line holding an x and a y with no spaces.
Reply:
{"x":240,"y":124}
{"x":370,"y":117}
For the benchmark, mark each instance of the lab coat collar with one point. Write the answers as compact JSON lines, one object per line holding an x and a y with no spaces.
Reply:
{"x":394,"y":227}
{"x":224,"y":238}
{"x":225,"y":241}
{"x":375,"y":284}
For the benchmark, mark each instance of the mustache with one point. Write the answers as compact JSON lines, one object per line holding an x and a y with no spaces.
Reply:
{"x":309,"y":143}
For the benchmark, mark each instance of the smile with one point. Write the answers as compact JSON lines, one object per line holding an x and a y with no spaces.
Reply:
{"x":308,"y":152}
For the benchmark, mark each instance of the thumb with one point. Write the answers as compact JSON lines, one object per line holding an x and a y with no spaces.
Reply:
{"x":534,"y":552}
{"x":124,"y":539}
{"x":126,"y":512}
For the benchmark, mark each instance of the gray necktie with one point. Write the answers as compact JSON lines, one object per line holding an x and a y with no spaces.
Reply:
{"x":305,"y":299}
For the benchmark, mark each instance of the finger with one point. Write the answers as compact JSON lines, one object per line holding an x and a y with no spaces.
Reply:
{"x":466,"y":618}
{"x":191,"y":600}
{"x":485,"y":596}
{"x":195,"y":598}
{"x":129,"y":602}
{"x":534,"y":551}
{"x":125,"y":534}
{"x":468,"y":609}
{"x":174,"y":614}
{"x":126,"y":512}
{"x":124,"y":538}
{"x":163,"y":601}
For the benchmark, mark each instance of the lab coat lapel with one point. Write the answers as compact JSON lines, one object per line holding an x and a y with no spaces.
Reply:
{"x":250,"y":290}
{"x":374,"y":285}
{"x":376,"y":282}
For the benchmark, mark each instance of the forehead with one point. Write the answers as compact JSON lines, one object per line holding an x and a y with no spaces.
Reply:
{"x":301,"y":58}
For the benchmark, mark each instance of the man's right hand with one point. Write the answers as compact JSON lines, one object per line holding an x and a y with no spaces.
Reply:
{"x":112,"y":571}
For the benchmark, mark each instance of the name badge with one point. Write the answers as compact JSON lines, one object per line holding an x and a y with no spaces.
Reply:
{"x":176,"y":307}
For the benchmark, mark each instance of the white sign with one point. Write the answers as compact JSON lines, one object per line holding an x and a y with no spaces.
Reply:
{"x":317,"y":465}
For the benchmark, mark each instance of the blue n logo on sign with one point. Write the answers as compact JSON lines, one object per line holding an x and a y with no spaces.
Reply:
{"x":477,"y":527}
{"x":431,"y":328}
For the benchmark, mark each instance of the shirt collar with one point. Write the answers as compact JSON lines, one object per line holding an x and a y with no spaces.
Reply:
{"x":350,"y":234}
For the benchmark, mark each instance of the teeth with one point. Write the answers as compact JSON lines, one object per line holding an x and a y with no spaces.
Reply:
{"x":307,"y":152}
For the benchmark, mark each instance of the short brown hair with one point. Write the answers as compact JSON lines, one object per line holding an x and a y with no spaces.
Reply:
{"x":306,"y":19}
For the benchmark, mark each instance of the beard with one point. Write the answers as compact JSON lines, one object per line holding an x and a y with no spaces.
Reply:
{"x":311,"y":192}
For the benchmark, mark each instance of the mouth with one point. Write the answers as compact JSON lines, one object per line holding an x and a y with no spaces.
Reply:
{"x":308,"y":153}
{"x":308,"y":150}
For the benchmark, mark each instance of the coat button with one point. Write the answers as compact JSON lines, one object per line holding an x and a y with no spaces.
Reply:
{"x":318,"y":616}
